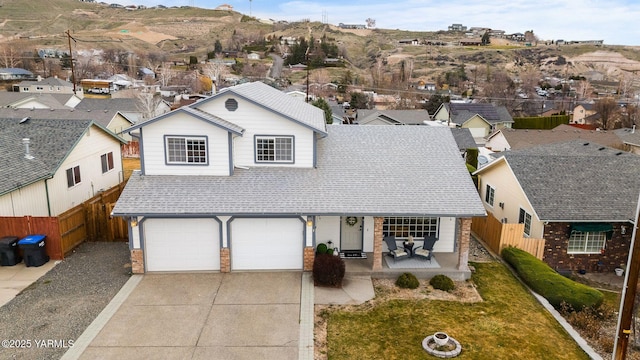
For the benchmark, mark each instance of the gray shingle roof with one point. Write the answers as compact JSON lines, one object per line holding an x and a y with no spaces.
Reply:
{"x":361,"y":170}
{"x":51,"y":141}
{"x":525,"y":138}
{"x":53,"y":81}
{"x":577,"y":182}
{"x":463,"y":138}
{"x":119,"y":104}
{"x":461,"y":112}
{"x":407,"y":117}
{"x":203,"y":115}
{"x":275,"y":100}
{"x":629,"y":136}
{"x":55,"y":101}
{"x":102,"y":118}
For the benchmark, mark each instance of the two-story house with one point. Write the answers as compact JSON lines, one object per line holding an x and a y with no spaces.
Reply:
{"x":251,"y":179}
{"x":480,"y":119}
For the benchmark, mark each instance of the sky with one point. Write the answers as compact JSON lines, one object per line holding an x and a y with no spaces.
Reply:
{"x":617,"y":22}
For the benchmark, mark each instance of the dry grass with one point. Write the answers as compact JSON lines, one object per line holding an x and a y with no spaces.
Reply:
{"x":130,"y":164}
{"x":508,"y":324}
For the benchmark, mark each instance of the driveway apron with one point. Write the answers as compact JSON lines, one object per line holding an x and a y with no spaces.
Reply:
{"x":250,"y":315}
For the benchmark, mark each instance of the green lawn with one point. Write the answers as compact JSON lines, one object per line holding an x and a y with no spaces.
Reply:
{"x":508,"y":324}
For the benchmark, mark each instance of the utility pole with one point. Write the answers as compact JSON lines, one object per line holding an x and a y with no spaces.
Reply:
{"x":73,"y":75}
{"x":628,"y":294}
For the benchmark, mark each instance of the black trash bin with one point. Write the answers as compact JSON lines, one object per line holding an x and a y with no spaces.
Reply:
{"x":9,"y":254}
{"x":33,"y":250}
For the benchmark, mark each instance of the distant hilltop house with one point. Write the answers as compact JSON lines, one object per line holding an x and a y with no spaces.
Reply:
{"x":15,"y":74}
{"x":352,"y":26}
{"x":580,"y":42}
{"x":457,"y":27}
{"x":52,"y":53}
{"x":224,"y":7}
{"x":409,"y":42}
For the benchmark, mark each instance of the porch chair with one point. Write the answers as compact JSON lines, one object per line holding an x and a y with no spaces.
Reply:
{"x":426,"y":250}
{"x":394,"y":251}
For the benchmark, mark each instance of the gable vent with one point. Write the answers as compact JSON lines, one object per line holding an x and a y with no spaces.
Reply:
{"x":231,"y":104}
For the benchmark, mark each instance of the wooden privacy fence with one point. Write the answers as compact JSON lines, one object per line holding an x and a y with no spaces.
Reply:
{"x":498,"y":236}
{"x":90,"y":220}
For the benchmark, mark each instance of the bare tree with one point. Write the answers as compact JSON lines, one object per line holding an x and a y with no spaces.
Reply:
{"x":584,"y":90}
{"x":147,"y":104}
{"x":166,"y":74}
{"x":371,"y":23}
{"x":215,"y":70}
{"x":607,"y":109}
{"x":9,"y":57}
{"x":530,"y":78}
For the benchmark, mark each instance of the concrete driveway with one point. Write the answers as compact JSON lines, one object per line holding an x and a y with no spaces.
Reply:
{"x":252,"y":315}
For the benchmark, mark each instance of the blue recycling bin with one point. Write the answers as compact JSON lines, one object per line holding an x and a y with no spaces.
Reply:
{"x":33,"y":250}
{"x":9,"y":254}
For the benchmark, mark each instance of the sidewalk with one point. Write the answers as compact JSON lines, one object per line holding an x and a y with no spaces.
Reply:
{"x":13,"y":279}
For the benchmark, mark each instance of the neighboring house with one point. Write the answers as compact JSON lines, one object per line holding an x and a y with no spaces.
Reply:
{"x":391,"y":117}
{"x":515,"y":139}
{"x":481,"y":119}
{"x":112,"y":120}
{"x":630,"y":138}
{"x":300,"y":95}
{"x":250,"y":180}
{"x":48,"y":166}
{"x":50,"y":85}
{"x":409,"y":42}
{"x":129,"y":107}
{"x":15,"y":74}
{"x":581,"y":111}
{"x":253,"y":56}
{"x":580,"y":197}
{"x":25,"y":100}
{"x":463,"y":139}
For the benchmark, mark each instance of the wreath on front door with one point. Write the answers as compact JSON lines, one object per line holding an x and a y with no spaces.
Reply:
{"x":351,"y":220}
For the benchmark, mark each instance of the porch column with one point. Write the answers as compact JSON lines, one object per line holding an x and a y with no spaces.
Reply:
{"x":464,"y":237}
{"x":377,"y":243}
{"x":137,"y":261}
{"x":225,"y":260}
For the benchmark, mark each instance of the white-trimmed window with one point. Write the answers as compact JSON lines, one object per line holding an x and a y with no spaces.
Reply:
{"x":418,"y":227}
{"x":489,"y":195}
{"x":277,"y":149}
{"x":186,"y":150}
{"x":525,"y":218}
{"x":107,"y":162}
{"x":591,"y":242}
{"x":73,"y":176}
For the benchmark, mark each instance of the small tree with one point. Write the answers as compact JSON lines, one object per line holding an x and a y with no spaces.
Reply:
{"x":359,"y":100}
{"x":485,"y":40}
{"x":322,"y":104}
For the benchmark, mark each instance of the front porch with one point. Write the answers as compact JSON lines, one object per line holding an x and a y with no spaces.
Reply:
{"x":448,"y":266}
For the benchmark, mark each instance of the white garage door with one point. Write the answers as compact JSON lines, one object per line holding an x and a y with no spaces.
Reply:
{"x":266,"y":244}
{"x":182,"y":244}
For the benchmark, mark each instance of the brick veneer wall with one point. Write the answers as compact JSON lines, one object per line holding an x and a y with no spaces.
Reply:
{"x":137,"y":261}
{"x":377,"y":242}
{"x":225,"y":260}
{"x":556,"y":237}
{"x":309,"y":257}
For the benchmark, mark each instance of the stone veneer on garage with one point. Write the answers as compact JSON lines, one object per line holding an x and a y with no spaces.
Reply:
{"x":616,"y":250}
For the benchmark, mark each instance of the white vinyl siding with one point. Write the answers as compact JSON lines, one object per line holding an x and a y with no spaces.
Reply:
{"x":181,"y":125}
{"x":258,"y":121}
{"x":88,"y":150}
{"x":586,"y":242}
{"x":30,"y":200}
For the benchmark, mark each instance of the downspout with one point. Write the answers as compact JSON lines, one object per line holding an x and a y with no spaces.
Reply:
{"x":46,"y":189}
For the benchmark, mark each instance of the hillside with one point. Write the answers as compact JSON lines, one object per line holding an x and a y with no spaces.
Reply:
{"x":185,"y":31}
